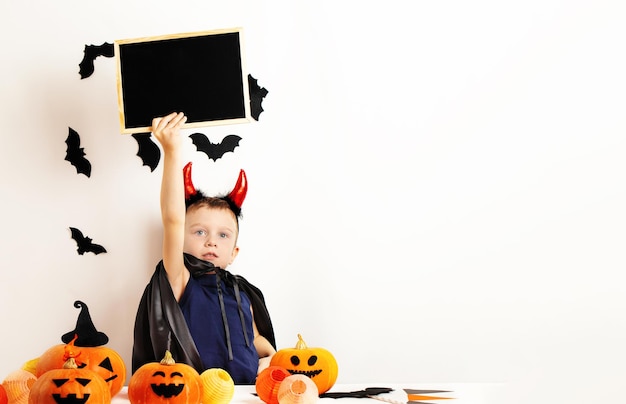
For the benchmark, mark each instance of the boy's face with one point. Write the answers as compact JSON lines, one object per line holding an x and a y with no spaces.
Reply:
{"x":211,"y":235}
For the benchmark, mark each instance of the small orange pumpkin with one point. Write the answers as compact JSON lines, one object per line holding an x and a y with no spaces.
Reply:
{"x":165,"y":382}
{"x":70,"y":385}
{"x":317,"y":363}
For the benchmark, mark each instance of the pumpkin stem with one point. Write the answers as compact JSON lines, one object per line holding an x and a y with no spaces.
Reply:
{"x":168,"y":359}
{"x":301,"y":344}
{"x":70,"y":364}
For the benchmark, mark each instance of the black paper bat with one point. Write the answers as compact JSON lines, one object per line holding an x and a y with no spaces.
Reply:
{"x":257,"y":94}
{"x":214,"y":150}
{"x":85,"y":244}
{"x":76,"y":155}
{"x":148,"y":150}
{"x":91,"y":52}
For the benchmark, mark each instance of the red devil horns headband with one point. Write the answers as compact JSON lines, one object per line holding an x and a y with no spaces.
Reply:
{"x":235,"y":198}
{"x":238,"y":194}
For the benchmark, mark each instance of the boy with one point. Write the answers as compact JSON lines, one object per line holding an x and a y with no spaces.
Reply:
{"x":205,"y":316}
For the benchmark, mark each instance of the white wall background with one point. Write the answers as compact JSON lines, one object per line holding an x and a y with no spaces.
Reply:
{"x":436,"y":187}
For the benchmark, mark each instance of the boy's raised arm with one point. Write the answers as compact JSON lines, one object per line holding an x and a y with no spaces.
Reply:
{"x":167,"y":132}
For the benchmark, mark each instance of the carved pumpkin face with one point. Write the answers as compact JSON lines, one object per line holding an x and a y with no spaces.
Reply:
{"x":165,"y":382}
{"x":317,"y":363}
{"x":70,"y":385}
{"x":104,"y":361}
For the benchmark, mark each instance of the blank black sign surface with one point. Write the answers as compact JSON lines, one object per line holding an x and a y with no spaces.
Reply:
{"x":201,"y":76}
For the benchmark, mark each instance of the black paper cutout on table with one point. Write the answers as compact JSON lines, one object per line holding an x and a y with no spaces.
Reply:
{"x":257,"y":94}
{"x":148,"y":151}
{"x":85,"y":243}
{"x":215,"y":151}
{"x":91,"y":52}
{"x":366,"y":393}
{"x":85,"y":331}
{"x":76,"y":154}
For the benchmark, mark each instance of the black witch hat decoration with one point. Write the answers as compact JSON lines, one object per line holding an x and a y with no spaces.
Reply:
{"x":87,"y":334}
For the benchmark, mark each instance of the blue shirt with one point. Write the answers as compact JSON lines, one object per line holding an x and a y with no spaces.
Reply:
{"x":200,"y":304}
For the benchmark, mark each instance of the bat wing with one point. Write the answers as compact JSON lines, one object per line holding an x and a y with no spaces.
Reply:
{"x":214,"y":151}
{"x":76,"y":155}
{"x":95,"y":248}
{"x":91,"y":52}
{"x":85,"y":244}
{"x":229,"y":143}
{"x":257,"y":94}
{"x":202,"y":143}
{"x":77,"y":236}
{"x":148,"y":150}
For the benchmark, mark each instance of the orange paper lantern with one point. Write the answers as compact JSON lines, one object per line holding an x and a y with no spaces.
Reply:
{"x":268,"y":382}
{"x":4,"y":399}
{"x":298,"y":389}
{"x":218,"y":386}
{"x":17,"y":385}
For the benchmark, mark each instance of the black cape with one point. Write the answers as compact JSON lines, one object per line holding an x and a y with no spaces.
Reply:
{"x":160,"y":325}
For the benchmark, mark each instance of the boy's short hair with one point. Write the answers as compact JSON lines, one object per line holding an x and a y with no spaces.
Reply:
{"x":213,"y":202}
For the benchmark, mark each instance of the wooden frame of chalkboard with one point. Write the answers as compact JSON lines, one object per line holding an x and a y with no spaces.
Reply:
{"x":201,"y":74}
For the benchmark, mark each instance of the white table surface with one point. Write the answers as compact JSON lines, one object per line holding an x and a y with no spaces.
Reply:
{"x":459,"y":393}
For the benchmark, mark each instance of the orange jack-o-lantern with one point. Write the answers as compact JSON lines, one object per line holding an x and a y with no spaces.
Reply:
{"x":91,"y":352}
{"x":70,"y":385}
{"x":165,"y":382}
{"x":317,"y":363}
{"x":100,"y":359}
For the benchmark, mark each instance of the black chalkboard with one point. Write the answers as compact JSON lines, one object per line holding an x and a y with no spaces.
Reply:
{"x":201,"y":74}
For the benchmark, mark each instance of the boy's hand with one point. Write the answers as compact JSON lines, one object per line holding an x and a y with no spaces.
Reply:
{"x":264,"y":363}
{"x":166,"y":129}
